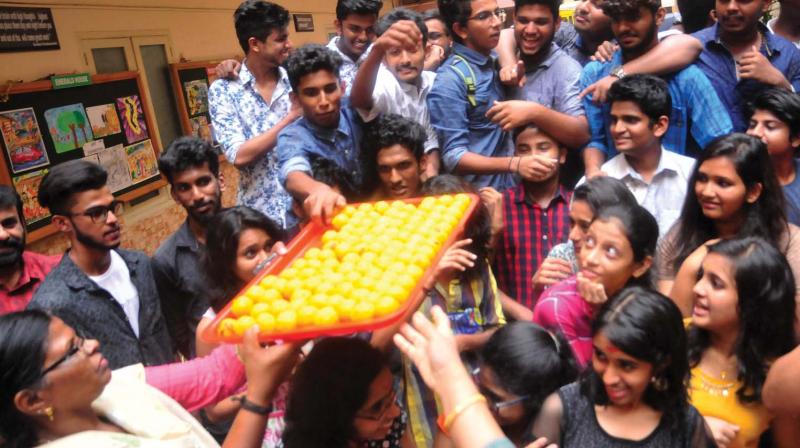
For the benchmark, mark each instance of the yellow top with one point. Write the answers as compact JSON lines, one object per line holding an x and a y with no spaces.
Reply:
{"x":717,"y":398}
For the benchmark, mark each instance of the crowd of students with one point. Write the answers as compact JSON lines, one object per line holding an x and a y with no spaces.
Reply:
{"x":630,"y":278}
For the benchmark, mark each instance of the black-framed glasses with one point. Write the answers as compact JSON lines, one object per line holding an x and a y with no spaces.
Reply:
{"x":380,"y":414}
{"x":483,"y":16}
{"x":492,"y":402}
{"x":99,"y":213}
{"x":76,"y":347}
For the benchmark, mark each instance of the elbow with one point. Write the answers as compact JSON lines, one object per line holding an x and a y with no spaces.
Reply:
{"x":241,"y":161}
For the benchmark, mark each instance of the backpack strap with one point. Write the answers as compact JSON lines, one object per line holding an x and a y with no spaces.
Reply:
{"x":469,"y":81}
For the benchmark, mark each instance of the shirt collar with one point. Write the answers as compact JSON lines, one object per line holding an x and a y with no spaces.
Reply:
{"x":552,"y":55}
{"x":471,"y":55}
{"x":29,"y":273}
{"x":665,"y":163}
{"x":521,"y":197}
{"x":329,"y":134}
{"x":245,"y":75}
{"x":185,"y":238}
{"x":76,"y":279}
{"x":767,"y":43}
{"x":333,"y":44}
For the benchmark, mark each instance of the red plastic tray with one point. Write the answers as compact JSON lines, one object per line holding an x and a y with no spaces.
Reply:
{"x":310,"y":236}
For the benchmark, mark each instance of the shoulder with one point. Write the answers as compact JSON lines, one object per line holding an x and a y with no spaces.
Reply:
{"x":595,"y":69}
{"x":133,"y":257}
{"x":705,"y":35}
{"x":295,"y":129}
{"x":566,"y":64}
{"x":42,"y":262}
{"x":222,"y":86}
{"x":682,"y":163}
{"x":614,"y":165}
{"x":166,"y":251}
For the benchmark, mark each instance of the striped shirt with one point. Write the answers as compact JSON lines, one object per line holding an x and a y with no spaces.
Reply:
{"x":561,"y":308}
{"x":530,"y":232}
{"x":472,"y":306}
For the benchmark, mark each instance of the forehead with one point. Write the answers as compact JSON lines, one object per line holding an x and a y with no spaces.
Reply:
{"x":360,"y":20}
{"x":252,"y":236}
{"x":626,"y":108}
{"x":394,"y":154}
{"x":478,"y":6}
{"x":533,"y":137}
{"x":765,"y":115}
{"x":90,"y":198}
{"x":380,"y":387}
{"x":317,"y":79}
{"x":719,"y":166}
{"x":534,"y":11}
{"x":192,"y":173}
{"x":434,"y":25}
{"x":9,"y":212}
{"x":609,"y":229}
{"x":719,"y":265}
{"x":609,"y":348}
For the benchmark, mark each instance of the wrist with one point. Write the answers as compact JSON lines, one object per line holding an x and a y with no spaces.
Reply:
{"x":258,"y":395}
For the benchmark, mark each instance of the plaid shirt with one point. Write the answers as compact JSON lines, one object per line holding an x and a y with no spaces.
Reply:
{"x":530,"y":232}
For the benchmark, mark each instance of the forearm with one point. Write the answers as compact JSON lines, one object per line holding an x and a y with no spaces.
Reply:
{"x":299,"y":184}
{"x":472,"y":163}
{"x":468,"y":342}
{"x":593,"y":159}
{"x":571,"y":131}
{"x":458,"y":388}
{"x":506,"y":48}
{"x":671,"y":55}
{"x":248,"y":427}
{"x":364,"y":84}
{"x":259,"y":145}
{"x":514,"y":309}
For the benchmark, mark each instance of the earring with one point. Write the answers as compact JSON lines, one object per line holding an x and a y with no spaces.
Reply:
{"x":48,"y":411}
{"x":659,"y":383}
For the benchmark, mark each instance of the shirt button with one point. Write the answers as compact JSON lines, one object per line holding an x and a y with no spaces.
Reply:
{"x":545,"y":213}
{"x":544,"y":237}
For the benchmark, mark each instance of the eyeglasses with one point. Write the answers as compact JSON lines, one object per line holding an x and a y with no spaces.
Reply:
{"x":380,"y":414}
{"x":494,"y":405}
{"x":486,"y":15}
{"x":99,"y":213}
{"x":76,"y":347}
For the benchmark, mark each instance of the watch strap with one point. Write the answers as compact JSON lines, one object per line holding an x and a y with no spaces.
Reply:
{"x":252,"y":407}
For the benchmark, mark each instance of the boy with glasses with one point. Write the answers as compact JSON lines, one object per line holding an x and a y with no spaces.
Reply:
{"x":103,"y":292}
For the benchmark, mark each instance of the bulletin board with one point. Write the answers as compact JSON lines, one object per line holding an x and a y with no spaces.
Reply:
{"x":104,"y":122}
{"x":190,"y":84}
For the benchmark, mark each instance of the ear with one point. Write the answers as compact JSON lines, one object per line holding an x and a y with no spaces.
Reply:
{"x":173,"y":194}
{"x":661,"y":13}
{"x":643,"y":266}
{"x":562,"y":154}
{"x":252,"y":44}
{"x":221,"y":181}
{"x":460,"y":30}
{"x":557,"y":23}
{"x":660,"y":127}
{"x":62,"y":223}
{"x":753,"y":193}
{"x":293,"y":98}
{"x":30,"y":403}
{"x":794,"y":142}
{"x":338,"y":25}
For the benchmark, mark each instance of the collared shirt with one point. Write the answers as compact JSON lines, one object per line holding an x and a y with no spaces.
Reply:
{"x":561,"y":308}
{"x":182,"y":286}
{"x":463,"y":127}
{"x":696,"y":109}
{"x":572,"y":43}
{"x":67,"y":292}
{"x":239,"y":113}
{"x":554,"y":83}
{"x":663,"y":196}
{"x":391,"y":96}
{"x":34,"y":269}
{"x":302,"y":141}
{"x":349,"y":68}
{"x":771,"y":28}
{"x":718,"y":64}
{"x":530,"y":232}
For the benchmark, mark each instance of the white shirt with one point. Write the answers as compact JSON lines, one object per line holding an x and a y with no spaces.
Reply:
{"x":349,"y":68}
{"x":663,"y":196}
{"x":394,"y":97}
{"x":117,"y":281}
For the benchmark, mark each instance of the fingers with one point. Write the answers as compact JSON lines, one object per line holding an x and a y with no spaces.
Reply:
{"x":423,"y":329}
{"x":541,"y":443}
{"x":587,"y":91}
{"x":461,"y":243}
{"x":496,"y":108}
{"x":279,"y":248}
{"x":440,"y":320}
{"x":403,"y":344}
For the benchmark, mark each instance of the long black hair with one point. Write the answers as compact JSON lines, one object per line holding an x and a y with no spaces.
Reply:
{"x":764,"y":218}
{"x":647,"y":326}
{"x":23,"y":347}
{"x":222,"y":242}
{"x":327,"y":390}
{"x":765,"y":287}
{"x":641,"y":230}
{"x":529,"y":360}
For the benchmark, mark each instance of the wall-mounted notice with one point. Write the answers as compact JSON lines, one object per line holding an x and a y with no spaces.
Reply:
{"x":27,"y":29}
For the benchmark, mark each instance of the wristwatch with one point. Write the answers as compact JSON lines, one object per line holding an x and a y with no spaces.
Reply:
{"x":618,"y":72}
{"x":252,"y":407}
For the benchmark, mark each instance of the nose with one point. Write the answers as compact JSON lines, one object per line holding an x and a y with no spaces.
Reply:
{"x":610,"y":376}
{"x":591,"y":256}
{"x":324,"y":101}
{"x":757,"y":131}
{"x":576,"y":235}
{"x":111,"y":218}
{"x":4,"y":235}
{"x":90,"y":346}
{"x":394,"y":176}
{"x":617,"y":126}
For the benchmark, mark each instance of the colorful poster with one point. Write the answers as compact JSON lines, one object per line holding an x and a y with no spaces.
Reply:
{"x":23,"y":139}
{"x":115,"y":162}
{"x":130,"y":111}
{"x":93,"y":147}
{"x":68,"y":126}
{"x":142,"y":162}
{"x":104,"y":120}
{"x":201,"y":128}
{"x":196,"y":96}
{"x":27,"y":185}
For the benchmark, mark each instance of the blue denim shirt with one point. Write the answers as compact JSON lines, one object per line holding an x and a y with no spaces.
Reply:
{"x":462,"y":127}
{"x":302,"y":141}
{"x":718,"y":64}
{"x":695,"y":108}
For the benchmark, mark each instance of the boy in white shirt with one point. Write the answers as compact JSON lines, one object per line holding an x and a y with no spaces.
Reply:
{"x":392,"y":80}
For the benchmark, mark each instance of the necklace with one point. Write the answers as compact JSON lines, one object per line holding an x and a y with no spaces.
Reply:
{"x":711,"y":386}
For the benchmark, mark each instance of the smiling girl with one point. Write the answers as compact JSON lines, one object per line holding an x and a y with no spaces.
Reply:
{"x":634,"y":393}
{"x":736,"y":195}
{"x":741,"y":322}
{"x":617,"y":251}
